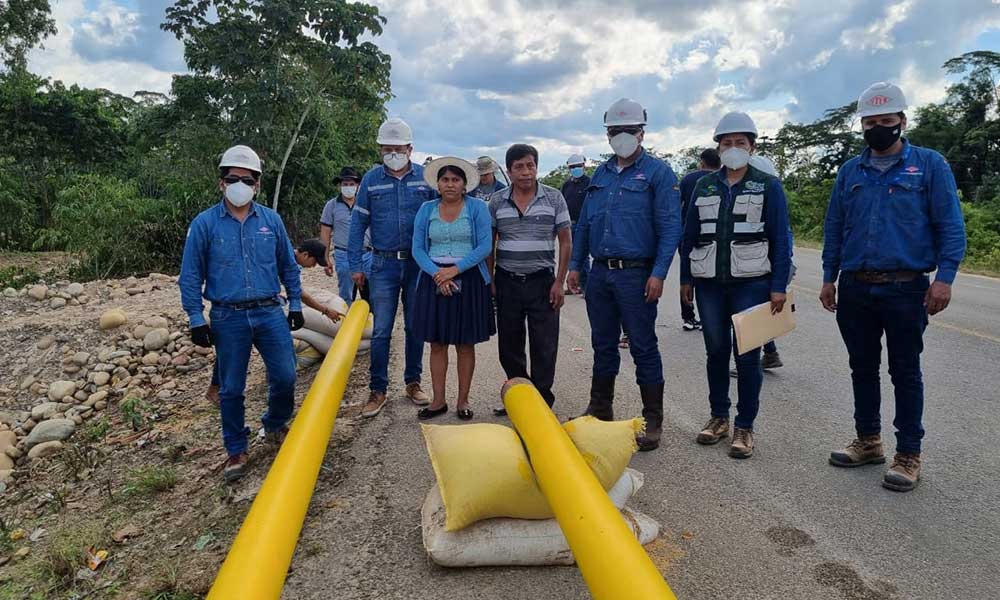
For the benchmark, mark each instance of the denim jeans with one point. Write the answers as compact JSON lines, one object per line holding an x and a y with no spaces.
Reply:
{"x":345,"y":285}
{"x":717,"y":303}
{"x":864,"y":312}
{"x":389,"y":279}
{"x":616,"y":301}
{"x":234,"y":332}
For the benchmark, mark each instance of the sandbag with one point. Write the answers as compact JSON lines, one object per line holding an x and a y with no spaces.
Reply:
{"x":322,"y":342}
{"x":606,"y":446}
{"x":515,"y":542}
{"x":305,"y":355}
{"x":483,"y":471}
{"x":317,"y":321}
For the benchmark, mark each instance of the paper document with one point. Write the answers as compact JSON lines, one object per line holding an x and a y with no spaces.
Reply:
{"x":756,"y":325}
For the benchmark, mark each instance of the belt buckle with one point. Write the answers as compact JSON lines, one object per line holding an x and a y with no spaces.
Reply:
{"x":402,"y":255}
{"x":612,"y":262}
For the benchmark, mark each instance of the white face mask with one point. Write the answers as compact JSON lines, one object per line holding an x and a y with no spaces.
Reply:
{"x":239,"y":193}
{"x":625,"y":144}
{"x":395,"y":160}
{"x":348,"y":191}
{"x":735,"y":158}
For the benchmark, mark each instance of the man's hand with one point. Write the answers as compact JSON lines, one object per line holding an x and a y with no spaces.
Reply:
{"x":687,"y":294}
{"x":328,"y":269}
{"x":828,"y":297}
{"x":573,"y":281}
{"x":358,"y":279}
{"x":201,"y":336}
{"x":557,"y":297}
{"x":295,"y":320}
{"x":445,"y":274}
{"x":938,"y":297}
{"x":777,"y":302}
{"x":654,"y":288}
{"x":332,"y":314}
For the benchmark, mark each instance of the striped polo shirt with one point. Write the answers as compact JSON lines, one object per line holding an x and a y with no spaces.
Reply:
{"x":526,"y":242}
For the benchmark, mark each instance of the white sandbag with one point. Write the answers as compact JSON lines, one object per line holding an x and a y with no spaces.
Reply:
{"x":322,"y":342}
{"x":518,"y":542}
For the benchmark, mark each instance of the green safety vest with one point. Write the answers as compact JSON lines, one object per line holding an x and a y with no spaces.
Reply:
{"x":732,"y":244}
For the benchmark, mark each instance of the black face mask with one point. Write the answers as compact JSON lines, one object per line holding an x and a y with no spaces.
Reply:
{"x":880,"y":138}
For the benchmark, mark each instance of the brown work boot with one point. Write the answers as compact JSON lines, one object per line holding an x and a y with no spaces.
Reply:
{"x":866,"y":449}
{"x":417,"y":395}
{"x":376,"y":401}
{"x":716,"y":429}
{"x":602,"y":397}
{"x":212,"y":394}
{"x":904,"y":473}
{"x":652,"y":412}
{"x":276,"y":438}
{"x":742,"y":443}
{"x":236,"y":466}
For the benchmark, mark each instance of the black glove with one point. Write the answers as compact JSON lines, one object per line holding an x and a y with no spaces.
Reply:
{"x":295,"y":320}
{"x":201,"y":336}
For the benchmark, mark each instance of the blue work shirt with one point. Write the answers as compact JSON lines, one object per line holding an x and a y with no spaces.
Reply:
{"x":634,"y":214}
{"x":387,"y":206}
{"x":687,"y":189}
{"x":906,"y":219}
{"x":237,"y":262}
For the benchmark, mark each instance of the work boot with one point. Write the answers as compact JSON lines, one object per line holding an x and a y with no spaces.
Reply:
{"x":602,"y":397}
{"x":276,"y":438}
{"x":866,"y":449}
{"x":236,"y":466}
{"x":652,"y":412}
{"x":713,"y":431}
{"x":742,"y":443}
{"x":771,"y":360}
{"x":904,"y":473}
{"x":417,"y":395}
{"x":376,"y":401}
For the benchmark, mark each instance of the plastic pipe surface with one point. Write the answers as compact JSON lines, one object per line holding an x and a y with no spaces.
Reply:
{"x":258,"y":561}
{"x":613,"y":563}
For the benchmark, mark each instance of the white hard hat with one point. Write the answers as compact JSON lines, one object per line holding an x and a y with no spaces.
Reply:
{"x":881,"y":98}
{"x":735,"y":122}
{"x":576,"y":159}
{"x":625,"y":112}
{"x":394,"y":132}
{"x":242,"y":157}
{"x":763,"y":163}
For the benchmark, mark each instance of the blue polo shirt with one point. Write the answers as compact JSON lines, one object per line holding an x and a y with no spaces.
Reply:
{"x":237,"y":262}
{"x":386,"y":206}
{"x":632,"y":214}
{"x":906,"y":219}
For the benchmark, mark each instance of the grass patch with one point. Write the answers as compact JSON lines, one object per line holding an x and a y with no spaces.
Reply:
{"x":17,"y":276}
{"x":149,"y":481}
{"x":97,"y":429}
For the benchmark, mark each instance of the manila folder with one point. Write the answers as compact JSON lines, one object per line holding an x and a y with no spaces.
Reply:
{"x":756,"y":325}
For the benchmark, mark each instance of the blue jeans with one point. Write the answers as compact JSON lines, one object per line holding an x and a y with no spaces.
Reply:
{"x":616,"y":301}
{"x":345,"y":285}
{"x":864,"y":312}
{"x":234,"y":332}
{"x":717,"y":303}
{"x":389,"y":279}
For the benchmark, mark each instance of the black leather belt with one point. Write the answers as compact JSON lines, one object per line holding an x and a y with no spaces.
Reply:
{"x":884,"y":276}
{"x":250,"y":304}
{"x":524,"y":276}
{"x":367,"y":248}
{"x":625,"y":263}
{"x":397,"y":254}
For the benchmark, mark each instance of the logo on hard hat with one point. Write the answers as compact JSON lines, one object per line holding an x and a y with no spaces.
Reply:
{"x":879,"y":100}
{"x":622,"y":113}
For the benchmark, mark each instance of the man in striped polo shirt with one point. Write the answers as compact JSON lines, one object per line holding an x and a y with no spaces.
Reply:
{"x":528,"y":284}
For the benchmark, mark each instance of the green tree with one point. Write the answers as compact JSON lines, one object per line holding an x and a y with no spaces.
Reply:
{"x":23,"y":25}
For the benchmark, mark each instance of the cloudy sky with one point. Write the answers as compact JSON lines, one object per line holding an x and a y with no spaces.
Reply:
{"x":473,"y":77}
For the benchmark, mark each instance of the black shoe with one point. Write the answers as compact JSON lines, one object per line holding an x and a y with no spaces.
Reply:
{"x":500,"y":412}
{"x":771,"y":360}
{"x":602,"y":396}
{"x":429,"y":413}
{"x":652,"y":412}
{"x":691,"y":324}
{"x":465,"y":414}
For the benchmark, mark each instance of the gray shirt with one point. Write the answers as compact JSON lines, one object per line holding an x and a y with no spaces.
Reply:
{"x":526,"y":241}
{"x":337,"y":215}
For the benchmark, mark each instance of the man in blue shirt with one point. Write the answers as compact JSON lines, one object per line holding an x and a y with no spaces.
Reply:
{"x":488,"y":183}
{"x":894,"y":216}
{"x":574,"y":190}
{"x":631,"y":225}
{"x":388,"y":199}
{"x":708,"y":163}
{"x":240,"y":252}
{"x":335,"y":230}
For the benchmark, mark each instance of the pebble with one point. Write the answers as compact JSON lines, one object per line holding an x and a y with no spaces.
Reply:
{"x":6,"y":463}
{"x":14,"y":452}
{"x":118,"y":294}
{"x":151,"y":358}
{"x":81,"y":395}
{"x":140,"y":331}
{"x":180,"y":360}
{"x":74,"y":289}
{"x":58,"y":302}
{"x":156,"y":323}
{"x":45,"y":410}
{"x":133,"y":291}
{"x":45,"y":342}
{"x":71,"y":369}
{"x":7,"y":439}
{"x":202,"y":350}
{"x":38,"y":292}
{"x":81,"y":358}
{"x":156,"y":339}
{"x":149,"y":370}
{"x":60,"y":389}
{"x":27,"y":426}
{"x":47,"y":431}
{"x":27,"y":382}
{"x":113,"y":318}
{"x":45,"y":449}
{"x":100,"y":405}
{"x":102,"y":377}
{"x":95,"y":398}
{"x":10,"y":292}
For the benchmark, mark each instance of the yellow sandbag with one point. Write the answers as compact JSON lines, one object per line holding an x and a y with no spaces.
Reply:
{"x":483,"y":472}
{"x":305,"y":354}
{"x":606,"y":446}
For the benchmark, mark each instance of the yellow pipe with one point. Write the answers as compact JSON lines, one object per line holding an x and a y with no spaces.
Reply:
{"x":613,"y":563}
{"x":258,"y":560}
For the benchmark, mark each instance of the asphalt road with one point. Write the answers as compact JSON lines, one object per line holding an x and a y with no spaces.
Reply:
{"x":783,"y":524}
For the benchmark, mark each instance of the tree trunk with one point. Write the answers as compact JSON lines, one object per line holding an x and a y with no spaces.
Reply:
{"x":288,"y":152}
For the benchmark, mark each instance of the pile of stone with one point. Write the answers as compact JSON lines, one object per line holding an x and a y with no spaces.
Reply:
{"x":65,"y":293}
